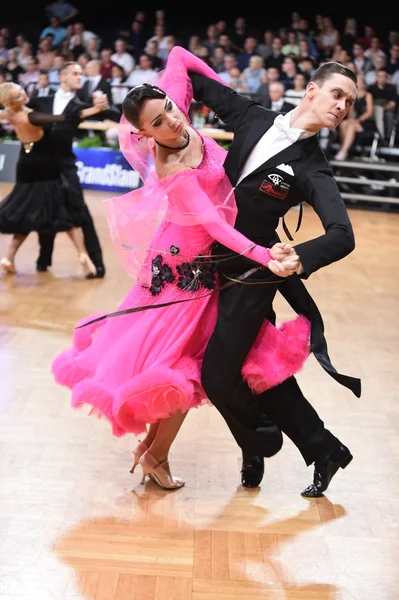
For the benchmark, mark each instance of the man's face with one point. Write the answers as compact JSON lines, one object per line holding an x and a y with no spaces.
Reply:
{"x":276,"y":91}
{"x":332,"y":100}
{"x":72,"y":77}
{"x":43,"y":80}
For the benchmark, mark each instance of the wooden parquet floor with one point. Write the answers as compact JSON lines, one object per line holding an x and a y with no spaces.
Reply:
{"x":76,"y":525}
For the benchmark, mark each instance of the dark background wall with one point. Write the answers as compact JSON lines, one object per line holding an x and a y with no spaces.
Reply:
{"x":117,"y":13}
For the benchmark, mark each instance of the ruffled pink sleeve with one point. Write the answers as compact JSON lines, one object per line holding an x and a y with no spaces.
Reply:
{"x":190,"y":202}
{"x":174,"y":79}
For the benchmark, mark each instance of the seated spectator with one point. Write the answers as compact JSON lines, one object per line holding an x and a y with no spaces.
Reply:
{"x":142,"y":73}
{"x":12,"y":69}
{"x":82,"y":61}
{"x":289,"y":70}
{"x":295,"y":94}
{"x":276,"y":59}
{"x":276,"y":98}
{"x":45,"y":55}
{"x":250,"y":45}
{"x":204,"y":54}
{"x":253,"y":74}
{"x":43,"y":87}
{"x":122,"y":57}
{"x":365,"y":39}
{"x":360,"y":118}
{"x":265,"y":49}
{"x":83,"y":35}
{"x":217,"y":59}
{"x":152,"y":50}
{"x":159,"y":36}
{"x":30,"y":77}
{"x":25,"y":54}
{"x":262,"y":96}
{"x":291,"y":48}
{"x":93,"y":48}
{"x":119,"y":88}
{"x":54,"y":72}
{"x":226,"y":43}
{"x":363,"y":64}
{"x":20,"y":40}
{"x":371,"y":76}
{"x":106,"y":63}
{"x":385,"y":104}
{"x":374,"y":50}
{"x":194,"y":43}
{"x":327,"y":38}
{"x":307,"y":66}
{"x":171,"y":41}
{"x":230,"y":61}
{"x":94,"y":82}
{"x":236,"y":81}
{"x":58,"y":32}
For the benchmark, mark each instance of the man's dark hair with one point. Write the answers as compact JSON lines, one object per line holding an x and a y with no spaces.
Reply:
{"x":134,"y":100}
{"x":325,"y":71}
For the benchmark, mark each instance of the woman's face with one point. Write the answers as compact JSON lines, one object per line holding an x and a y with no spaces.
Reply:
{"x":16,"y":98}
{"x":161,"y":119}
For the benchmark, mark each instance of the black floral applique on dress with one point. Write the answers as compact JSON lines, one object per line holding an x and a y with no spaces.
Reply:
{"x":161,"y":274}
{"x":200,"y":272}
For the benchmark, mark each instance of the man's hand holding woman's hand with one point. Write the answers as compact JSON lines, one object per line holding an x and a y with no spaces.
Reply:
{"x":285,"y":261}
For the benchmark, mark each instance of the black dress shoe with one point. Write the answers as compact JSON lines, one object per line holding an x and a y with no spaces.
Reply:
{"x":252,"y":470}
{"x":325,"y":469}
{"x":41,"y":268}
{"x":100,"y":272}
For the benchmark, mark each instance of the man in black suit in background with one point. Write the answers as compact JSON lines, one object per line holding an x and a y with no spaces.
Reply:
{"x":276,"y":100}
{"x":65,"y":101}
{"x":94,"y":83}
{"x":274,"y":163}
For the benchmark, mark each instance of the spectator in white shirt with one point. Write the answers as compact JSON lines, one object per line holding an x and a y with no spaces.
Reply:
{"x":143,"y":73}
{"x":122,"y":57}
{"x":29,"y":79}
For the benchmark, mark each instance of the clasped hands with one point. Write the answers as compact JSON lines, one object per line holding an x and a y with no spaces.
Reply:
{"x":285,"y":261}
{"x":100,"y":101}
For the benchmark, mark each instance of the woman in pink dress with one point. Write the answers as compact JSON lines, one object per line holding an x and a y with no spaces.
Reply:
{"x":142,"y":365}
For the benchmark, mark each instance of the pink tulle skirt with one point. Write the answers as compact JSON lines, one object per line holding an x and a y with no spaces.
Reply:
{"x":141,"y":367}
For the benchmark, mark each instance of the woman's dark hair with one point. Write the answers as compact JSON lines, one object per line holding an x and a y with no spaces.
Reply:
{"x":134,"y":100}
{"x":325,"y":71}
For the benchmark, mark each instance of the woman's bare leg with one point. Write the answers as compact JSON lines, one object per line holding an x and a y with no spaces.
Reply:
{"x":151,"y":433}
{"x":165,"y":436}
{"x":8,"y":261}
{"x":76,"y":236}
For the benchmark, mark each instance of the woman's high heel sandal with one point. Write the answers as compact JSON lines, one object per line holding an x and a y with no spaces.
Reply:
{"x":88,"y":266}
{"x":137,"y":454}
{"x":159,"y":472}
{"x":8,"y":266}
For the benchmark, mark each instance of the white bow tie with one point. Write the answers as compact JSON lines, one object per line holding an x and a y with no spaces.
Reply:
{"x":283,"y":125}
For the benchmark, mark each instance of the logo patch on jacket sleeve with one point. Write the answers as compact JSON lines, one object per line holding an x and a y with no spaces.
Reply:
{"x":275,"y":186}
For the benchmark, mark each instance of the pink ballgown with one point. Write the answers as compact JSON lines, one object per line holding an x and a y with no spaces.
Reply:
{"x":137,"y":368}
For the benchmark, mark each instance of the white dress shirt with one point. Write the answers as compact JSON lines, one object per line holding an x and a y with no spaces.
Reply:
{"x":277,"y":138}
{"x":61,"y":99}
